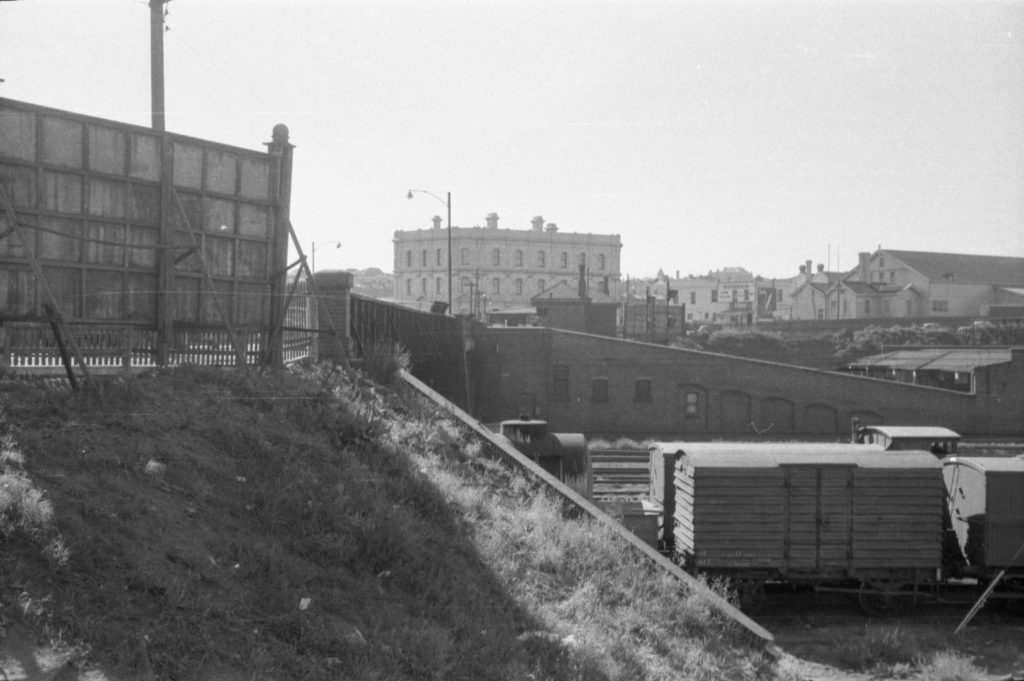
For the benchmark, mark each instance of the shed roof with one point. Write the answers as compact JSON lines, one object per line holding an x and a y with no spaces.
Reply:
{"x":988,"y":464}
{"x":778,"y":454}
{"x":565,"y":292}
{"x":937,"y":359}
{"x":914,"y":431}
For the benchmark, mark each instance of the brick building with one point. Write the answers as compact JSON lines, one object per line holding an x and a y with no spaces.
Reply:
{"x":495,"y":269}
{"x":606,"y":387}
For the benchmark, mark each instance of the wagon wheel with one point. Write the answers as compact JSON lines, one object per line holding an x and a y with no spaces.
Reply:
{"x":750,"y":593}
{"x":878,"y":598}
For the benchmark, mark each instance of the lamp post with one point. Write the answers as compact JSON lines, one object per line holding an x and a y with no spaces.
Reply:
{"x":312,"y":252}
{"x":448,"y":204}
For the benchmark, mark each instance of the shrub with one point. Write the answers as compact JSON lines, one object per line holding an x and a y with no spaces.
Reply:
{"x":384,"y":361}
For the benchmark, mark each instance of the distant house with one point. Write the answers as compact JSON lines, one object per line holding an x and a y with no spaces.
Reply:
{"x":890,"y":283}
{"x":809,"y":298}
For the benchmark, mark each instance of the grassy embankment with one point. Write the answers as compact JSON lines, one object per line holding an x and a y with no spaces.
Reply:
{"x":197,"y":524}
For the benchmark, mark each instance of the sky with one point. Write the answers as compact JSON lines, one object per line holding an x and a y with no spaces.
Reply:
{"x":706,"y":134}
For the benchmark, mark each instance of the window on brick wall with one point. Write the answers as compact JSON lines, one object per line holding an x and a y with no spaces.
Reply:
{"x":600,"y":261}
{"x":691,"y":405}
{"x":437,"y":257}
{"x":496,"y":286}
{"x":464,"y":255}
{"x":714,"y":295}
{"x":519,"y":287}
{"x":519,"y":258}
{"x":408,"y":258}
{"x":437,"y":283}
{"x":642,"y":390}
{"x":560,"y":383}
{"x":599,"y":390}
{"x":408,"y":287}
{"x":563,"y":259}
{"x":540,"y":286}
{"x":423,"y":287}
{"x":496,"y":256}
{"x":423,"y":258}
{"x":940,"y":306}
{"x":542,"y":259}
{"x":693,"y":297}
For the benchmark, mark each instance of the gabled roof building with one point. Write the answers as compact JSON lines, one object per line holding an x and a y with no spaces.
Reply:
{"x":895,"y":284}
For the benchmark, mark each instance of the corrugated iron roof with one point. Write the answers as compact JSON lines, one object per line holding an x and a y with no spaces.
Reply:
{"x":565,"y":291}
{"x":777,"y":454}
{"x":961,"y":268}
{"x":937,"y":359}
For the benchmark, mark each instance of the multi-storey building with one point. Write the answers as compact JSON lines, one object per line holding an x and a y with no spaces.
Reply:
{"x":499,"y":269}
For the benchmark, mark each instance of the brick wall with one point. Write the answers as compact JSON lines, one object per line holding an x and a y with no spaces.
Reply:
{"x":335,"y":290}
{"x":698,"y":395}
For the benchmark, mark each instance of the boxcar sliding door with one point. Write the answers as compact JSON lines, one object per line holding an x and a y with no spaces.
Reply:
{"x":818,"y":518}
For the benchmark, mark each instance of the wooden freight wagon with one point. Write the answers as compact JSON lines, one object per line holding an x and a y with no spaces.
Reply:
{"x":807,"y":512}
{"x":986,"y":508}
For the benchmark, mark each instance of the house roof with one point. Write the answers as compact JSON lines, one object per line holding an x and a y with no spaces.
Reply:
{"x":960,"y":268}
{"x":564,"y":292}
{"x":937,"y":359}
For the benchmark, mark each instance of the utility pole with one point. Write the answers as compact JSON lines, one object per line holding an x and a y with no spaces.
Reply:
{"x":156,"y":46}
{"x":165,"y":277}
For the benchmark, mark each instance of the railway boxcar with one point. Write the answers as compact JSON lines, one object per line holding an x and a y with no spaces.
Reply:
{"x":807,"y":513}
{"x":986,"y":511}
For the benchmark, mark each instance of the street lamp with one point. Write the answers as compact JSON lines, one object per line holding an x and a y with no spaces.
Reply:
{"x":448,"y":204}
{"x":312,"y":252}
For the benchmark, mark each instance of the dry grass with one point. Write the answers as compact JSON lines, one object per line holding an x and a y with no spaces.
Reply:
{"x":893,"y":652}
{"x":320,"y":526}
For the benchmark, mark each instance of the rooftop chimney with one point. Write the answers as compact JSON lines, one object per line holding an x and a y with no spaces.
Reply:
{"x":492,"y":221}
{"x":437,"y":221}
{"x":538,"y":224}
{"x":821,"y":268}
{"x":552,"y":227}
{"x":862,"y":266}
{"x":810,"y":270}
